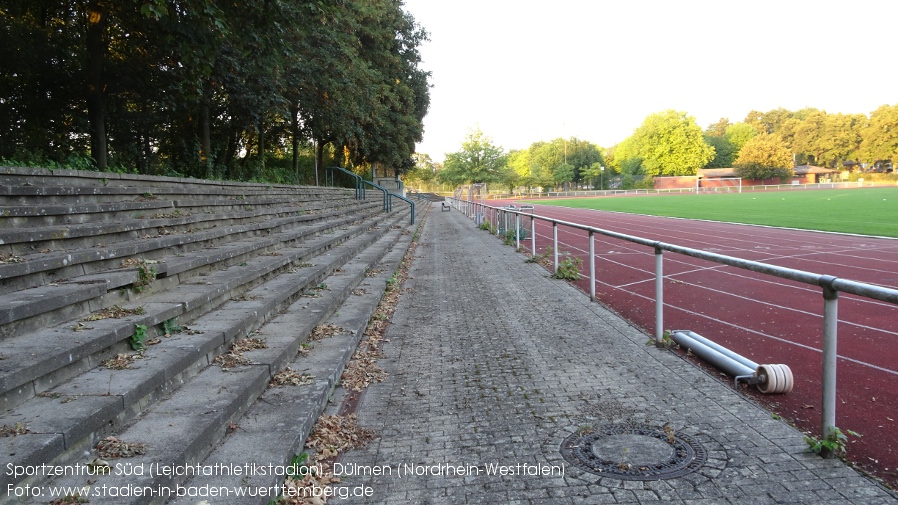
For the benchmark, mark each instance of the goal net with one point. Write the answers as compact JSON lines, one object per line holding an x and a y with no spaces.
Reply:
{"x":724,"y":185}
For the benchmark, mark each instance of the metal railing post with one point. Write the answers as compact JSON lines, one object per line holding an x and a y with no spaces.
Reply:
{"x":659,"y":295}
{"x":532,"y":236}
{"x":517,"y":231}
{"x":555,"y":245}
{"x":592,"y":266}
{"x":830,"y":355}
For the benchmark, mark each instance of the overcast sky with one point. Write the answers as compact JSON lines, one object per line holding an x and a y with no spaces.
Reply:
{"x":527,"y":70}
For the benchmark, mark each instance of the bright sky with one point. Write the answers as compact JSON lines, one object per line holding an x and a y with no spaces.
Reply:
{"x":531,"y":70}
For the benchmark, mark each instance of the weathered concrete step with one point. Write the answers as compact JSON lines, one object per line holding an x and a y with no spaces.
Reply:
{"x":85,"y":261}
{"x":275,"y":427}
{"x":197,"y":413}
{"x":77,"y":179}
{"x":29,"y":303}
{"x":107,"y":230}
{"x":17,"y":216}
{"x":52,"y":352}
{"x":63,"y":300}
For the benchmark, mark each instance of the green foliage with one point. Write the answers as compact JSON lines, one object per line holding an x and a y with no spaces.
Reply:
{"x":393,"y":281}
{"x":146,"y":274}
{"x":541,"y":257}
{"x":226,"y":89}
{"x":666,"y":340}
{"x":559,"y":161}
{"x":880,"y":135}
{"x":139,"y":338}
{"x":568,"y":268}
{"x":478,"y":161}
{"x":764,"y":157}
{"x":510,"y":237}
{"x":668,"y":143}
{"x":486,"y":225}
{"x":834,"y":444}
{"x":563,"y":173}
{"x":633,"y":174}
{"x":723,"y":152}
{"x":171,"y":326}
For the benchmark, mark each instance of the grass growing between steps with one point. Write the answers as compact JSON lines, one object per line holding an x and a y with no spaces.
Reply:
{"x":333,"y":435}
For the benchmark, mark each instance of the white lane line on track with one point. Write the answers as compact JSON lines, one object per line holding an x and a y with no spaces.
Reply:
{"x":741,"y":297}
{"x":765,"y":335}
{"x":800,"y":287}
{"x":717,"y":247}
{"x":785,"y":241}
{"x":644,"y":250}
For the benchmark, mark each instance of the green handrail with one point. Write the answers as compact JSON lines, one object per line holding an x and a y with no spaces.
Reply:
{"x":359,"y":187}
{"x":360,"y":190}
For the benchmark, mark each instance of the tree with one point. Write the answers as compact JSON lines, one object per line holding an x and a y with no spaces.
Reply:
{"x":582,"y":155}
{"x":768,"y":122}
{"x":880,"y":135}
{"x":563,"y":173}
{"x":764,"y":157}
{"x":597,"y":171}
{"x":718,"y":129}
{"x":479,"y":160}
{"x":519,"y":163}
{"x":738,"y":134}
{"x":826,"y":139}
{"x":424,"y":171}
{"x":205,"y":88}
{"x":724,"y":152}
{"x":668,"y":143}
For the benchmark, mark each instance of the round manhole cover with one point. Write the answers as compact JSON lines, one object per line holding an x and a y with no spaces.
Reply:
{"x":634,"y":452}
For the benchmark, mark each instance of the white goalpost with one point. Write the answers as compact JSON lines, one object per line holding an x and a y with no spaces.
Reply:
{"x":722,"y":185}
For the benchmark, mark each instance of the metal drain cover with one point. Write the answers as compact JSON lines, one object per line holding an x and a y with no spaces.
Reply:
{"x":629,"y":452}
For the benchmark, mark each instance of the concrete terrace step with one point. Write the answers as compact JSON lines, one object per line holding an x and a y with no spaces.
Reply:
{"x":36,"y":361}
{"x":82,"y":213}
{"x":26,"y":240}
{"x":75,"y":181}
{"x":66,"y":264}
{"x":31,"y":302}
{"x":185,"y":426}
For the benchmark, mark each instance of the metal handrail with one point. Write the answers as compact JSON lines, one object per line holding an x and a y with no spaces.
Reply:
{"x":387,"y":204}
{"x":831,"y":286}
{"x":411,"y":203}
{"x":359,"y":187}
{"x":360,"y":190}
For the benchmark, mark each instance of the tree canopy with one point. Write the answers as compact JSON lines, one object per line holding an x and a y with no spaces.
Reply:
{"x":880,"y":135}
{"x":764,"y":156}
{"x":668,"y":143}
{"x":206,"y":88}
{"x":479,"y":160}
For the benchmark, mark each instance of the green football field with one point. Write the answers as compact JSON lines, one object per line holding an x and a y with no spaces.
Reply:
{"x":866,"y":211}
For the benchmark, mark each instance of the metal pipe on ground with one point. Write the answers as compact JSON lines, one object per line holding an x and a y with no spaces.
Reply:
{"x":767,"y":378}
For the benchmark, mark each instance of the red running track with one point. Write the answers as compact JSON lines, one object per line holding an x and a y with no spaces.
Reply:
{"x":767,"y":319}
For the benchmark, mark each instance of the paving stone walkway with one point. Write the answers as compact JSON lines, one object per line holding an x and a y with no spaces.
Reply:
{"x":493,"y":365}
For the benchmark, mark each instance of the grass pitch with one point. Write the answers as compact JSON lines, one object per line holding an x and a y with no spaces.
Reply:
{"x":864,"y":211}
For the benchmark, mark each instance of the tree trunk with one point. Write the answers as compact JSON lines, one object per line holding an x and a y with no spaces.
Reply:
{"x":261,"y":134}
{"x":206,"y":138}
{"x":294,"y":130}
{"x":96,"y":89}
{"x":319,"y":155}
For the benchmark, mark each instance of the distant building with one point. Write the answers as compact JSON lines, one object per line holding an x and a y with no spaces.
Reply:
{"x":809,"y":174}
{"x":716,"y":177}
